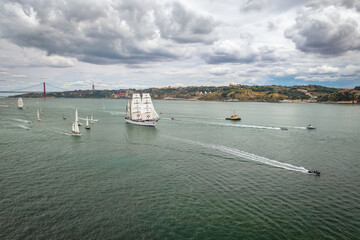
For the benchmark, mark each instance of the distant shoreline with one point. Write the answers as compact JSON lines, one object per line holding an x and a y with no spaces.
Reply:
{"x":193,"y":100}
{"x":231,"y":93}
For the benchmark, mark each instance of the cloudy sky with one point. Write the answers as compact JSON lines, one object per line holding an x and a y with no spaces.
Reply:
{"x":148,"y":43}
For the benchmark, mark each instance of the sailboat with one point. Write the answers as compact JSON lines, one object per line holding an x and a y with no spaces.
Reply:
{"x":75,"y":130}
{"x":92,"y":119}
{"x":20,"y":103}
{"x":87,"y":125}
{"x":77,"y":118}
{"x":38,"y":115}
{"x":140,"y":111}
{"x":75,"y":126}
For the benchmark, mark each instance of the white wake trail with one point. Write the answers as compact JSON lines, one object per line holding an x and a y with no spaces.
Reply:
{"x":241,"y":125}
{"x":249,"y":156}
{"x":20,"y":126}
{"x":21,"y":120}
{"x":65,"y":133}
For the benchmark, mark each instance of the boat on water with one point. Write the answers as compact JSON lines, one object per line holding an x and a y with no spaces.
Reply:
{"x":140,"y":111}
{"x":20,"y":103}
{"x":234,"y":117}
{"x":284,"y":128}
{"x":75,"y":130}
{"x":310,"y":127}
{"x":38,"y":115}
{"x":75,"y":126}
{"x":92,"y":119}
{"x":314,"y":172}
{"x":87,"y":125}
{"x":77,"y":118}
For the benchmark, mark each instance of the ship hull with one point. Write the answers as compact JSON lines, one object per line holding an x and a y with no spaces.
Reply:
{"x":141,"y":123}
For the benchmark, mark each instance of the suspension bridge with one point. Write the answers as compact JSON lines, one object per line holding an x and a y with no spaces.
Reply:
{"x":28,"y":89}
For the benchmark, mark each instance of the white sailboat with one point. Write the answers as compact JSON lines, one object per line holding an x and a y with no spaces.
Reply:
{"x":77,"y":118}
{"x":20,"y":103}
{"x":87,"y":125}
{"x":141,"y":111}
{"x":75,"y":130}
{"x":38,"y":115}
{"x":75,"y":126}
{"x":92,"y":119}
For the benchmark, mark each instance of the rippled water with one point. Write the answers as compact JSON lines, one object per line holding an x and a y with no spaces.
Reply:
{"x":195,"y":177}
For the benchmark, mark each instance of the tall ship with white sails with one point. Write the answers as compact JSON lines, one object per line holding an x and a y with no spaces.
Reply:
{"x":141,"y":111}
{"x":20,"y":103}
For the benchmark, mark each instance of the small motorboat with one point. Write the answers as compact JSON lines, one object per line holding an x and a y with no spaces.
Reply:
{"x":315,"y":172}
{"x":234,"y":117}
{"x":172,"y":118}
{"x":310,"y":127}
{"x":283,"y":128}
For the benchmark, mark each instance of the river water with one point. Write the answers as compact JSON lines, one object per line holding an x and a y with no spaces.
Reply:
{"x":195,"y":177}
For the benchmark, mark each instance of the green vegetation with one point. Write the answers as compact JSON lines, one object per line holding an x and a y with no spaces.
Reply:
{"x":309,"y":93}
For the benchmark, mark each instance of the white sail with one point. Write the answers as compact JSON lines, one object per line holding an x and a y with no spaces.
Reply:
{"x":73,"y":127}
{"x":76,"y":128}
{"x":150,"y":110}
{"x":92,"y":119}
{"x":128,"y":110}
{"x":76,"y":116}
{"x":87,"y":126}
{"x":38,"y":115}
{"x":136,"y":107}
{"x":146,"y":107}
{"x":20,"y":103}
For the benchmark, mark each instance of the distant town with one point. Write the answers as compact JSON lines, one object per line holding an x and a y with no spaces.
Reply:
{"x":231,"y":93}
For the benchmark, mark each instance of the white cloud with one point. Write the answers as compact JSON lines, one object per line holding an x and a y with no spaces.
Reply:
{"x":228,"y":51}
{"x":324,"y":69}
{"x":254,"y":5}
{"x":219,"y":71}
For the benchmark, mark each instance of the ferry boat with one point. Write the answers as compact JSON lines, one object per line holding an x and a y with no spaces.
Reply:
{"x":234,"y":117}
{"x":140,"y":111}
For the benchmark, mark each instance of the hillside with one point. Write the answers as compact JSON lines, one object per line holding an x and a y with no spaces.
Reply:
{"x":308,"y":93}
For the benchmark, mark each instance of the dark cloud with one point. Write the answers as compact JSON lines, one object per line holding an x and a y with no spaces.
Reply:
{"x":105,"y":32}
{"x":183,"y":26}
{"x":328,"y":30}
